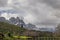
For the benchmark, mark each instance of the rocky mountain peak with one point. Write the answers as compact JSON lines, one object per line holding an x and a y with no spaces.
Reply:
{"x":2,"y":19}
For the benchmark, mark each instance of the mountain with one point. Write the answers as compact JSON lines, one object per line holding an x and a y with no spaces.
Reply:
{"x":2,"y":19}
{"x":19,"y":22}
{"x":46,"y":29}
{"x":12,"y":20}
{"x":30,"y":26}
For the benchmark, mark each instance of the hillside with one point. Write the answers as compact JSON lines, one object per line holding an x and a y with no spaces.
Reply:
{"x":6,"y":28}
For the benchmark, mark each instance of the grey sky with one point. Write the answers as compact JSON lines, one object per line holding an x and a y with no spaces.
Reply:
{"x":3,"y":3}
{"x":39,"y":12}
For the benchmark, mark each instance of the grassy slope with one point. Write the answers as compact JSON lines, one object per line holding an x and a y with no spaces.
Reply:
{"x":16,"y":30}
{"x":5,"y":27}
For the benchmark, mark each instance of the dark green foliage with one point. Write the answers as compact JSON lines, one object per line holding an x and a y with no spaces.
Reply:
{"x":5,"y":28}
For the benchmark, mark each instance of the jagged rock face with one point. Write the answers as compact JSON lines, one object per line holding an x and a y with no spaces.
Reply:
{"x":12,"y":20}
{"x":16,"y":21}
{"x":30,"y":26}
{"x":20,"y":22}
{"x":2,"y":19}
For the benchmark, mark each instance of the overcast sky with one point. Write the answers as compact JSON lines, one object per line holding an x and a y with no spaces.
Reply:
{"x":43,"y":13}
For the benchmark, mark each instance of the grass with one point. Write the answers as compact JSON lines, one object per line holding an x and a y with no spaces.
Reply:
{"x":26,"y":38}
{"x":17,"y":37}
{"x":22,"y":37}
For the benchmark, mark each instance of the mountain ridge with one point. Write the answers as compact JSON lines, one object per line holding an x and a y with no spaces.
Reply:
{"x":20,"y":22}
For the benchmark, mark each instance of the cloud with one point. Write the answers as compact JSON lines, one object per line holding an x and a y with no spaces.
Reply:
{"x":3,"y":3}
{"x":7,"y":16}
{"x":39,"y":12}
{"x":53,"y":3}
